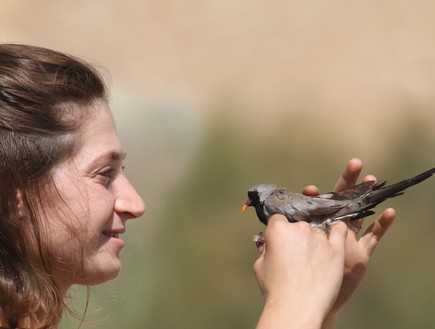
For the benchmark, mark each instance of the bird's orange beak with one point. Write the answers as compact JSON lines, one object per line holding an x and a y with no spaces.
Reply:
{"x":246,"y":205}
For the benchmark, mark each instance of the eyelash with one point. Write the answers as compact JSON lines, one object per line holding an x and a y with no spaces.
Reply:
{"x":110,"y":173}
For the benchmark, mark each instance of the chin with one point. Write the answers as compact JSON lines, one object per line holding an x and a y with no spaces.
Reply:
{"x":101,"y":274}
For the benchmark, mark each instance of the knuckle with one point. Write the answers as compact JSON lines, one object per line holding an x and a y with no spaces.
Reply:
{"x":276,"y":222}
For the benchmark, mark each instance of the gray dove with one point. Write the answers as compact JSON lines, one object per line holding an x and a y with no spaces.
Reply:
{"x":322,"y":210}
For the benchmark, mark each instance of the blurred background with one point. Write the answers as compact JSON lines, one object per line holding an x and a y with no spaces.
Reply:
{"x":212,"y":97}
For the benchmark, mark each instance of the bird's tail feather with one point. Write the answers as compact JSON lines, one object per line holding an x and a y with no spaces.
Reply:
{"x":382,"y":192}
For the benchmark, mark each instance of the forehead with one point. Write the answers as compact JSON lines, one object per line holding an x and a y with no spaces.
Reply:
{"x":98,"y":135}
{"x":100,"y":120}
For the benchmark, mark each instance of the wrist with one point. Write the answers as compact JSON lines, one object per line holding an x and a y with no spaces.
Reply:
{"x":278,"y":314}
{"x":330,"y":321}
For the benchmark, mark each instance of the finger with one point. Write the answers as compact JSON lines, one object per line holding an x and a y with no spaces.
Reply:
{"x":370,"y":178}
{"x":377,"y":230}
{"x":381,"y":225}
{"x":350,"y":175}
{"x":355,"y":226}
{"x":338,"y":234}
{"x":276,"y":228}
{"x":320,"y":230}
{"x":276,"y":220}
{"x":311,"y":190}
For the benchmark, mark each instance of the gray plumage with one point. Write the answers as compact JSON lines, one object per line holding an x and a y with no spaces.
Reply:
{"x":322,"y":210}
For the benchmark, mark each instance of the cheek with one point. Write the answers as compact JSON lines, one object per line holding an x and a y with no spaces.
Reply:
{"x":82,"y":215}
{"x":65,"y":226}
{"x":65,"y":232}
{"x":100,"y":206}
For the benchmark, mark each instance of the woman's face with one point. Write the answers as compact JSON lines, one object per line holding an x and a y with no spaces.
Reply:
{"x":86,"y":227}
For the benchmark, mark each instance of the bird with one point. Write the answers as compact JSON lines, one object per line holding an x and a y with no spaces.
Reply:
{"x":322,"y":210}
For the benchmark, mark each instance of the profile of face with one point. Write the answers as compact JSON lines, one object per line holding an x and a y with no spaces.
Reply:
{"x":96,"y":200}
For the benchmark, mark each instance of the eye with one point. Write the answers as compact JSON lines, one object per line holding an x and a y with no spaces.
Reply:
{"x":109,"y":173}
{"x":106,"y":175}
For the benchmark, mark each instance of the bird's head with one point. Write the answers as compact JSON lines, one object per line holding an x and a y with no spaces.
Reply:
{"x":258,"y":194}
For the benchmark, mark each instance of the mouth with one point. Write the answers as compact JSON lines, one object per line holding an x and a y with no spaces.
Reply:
{"x":111,"y":234}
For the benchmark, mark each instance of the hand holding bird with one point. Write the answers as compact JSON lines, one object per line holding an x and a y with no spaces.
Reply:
{"x":358,"y":251}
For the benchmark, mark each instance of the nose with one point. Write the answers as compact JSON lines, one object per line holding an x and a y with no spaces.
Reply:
{"x":128,"y":203}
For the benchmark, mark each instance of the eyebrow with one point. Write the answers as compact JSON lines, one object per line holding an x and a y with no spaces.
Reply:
{"x":109,"y":157}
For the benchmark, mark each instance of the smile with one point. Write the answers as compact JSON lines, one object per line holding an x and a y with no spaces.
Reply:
{"x":111,"y":234}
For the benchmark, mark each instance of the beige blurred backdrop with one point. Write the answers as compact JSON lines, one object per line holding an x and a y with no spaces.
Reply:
{"x":212,"y":97}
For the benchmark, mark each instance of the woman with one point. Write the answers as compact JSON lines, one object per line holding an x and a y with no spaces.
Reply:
{"x":64,"y":199}
{"x":64,"y":202}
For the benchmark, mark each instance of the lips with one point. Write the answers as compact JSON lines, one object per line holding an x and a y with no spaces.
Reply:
{"x":111,"y":234}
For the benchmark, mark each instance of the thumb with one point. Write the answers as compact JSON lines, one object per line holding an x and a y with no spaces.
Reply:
{"x":338,"y":234}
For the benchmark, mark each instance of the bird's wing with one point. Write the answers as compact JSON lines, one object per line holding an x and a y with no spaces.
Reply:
{"x":352,"y":193}
{"x":297,"y":207}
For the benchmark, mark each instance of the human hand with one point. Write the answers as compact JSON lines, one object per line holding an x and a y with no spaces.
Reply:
{"x":300,"y":273}
{"x":358,"y":251}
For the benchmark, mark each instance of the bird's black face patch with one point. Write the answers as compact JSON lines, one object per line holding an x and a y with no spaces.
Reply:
{"x":254,"y":197}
